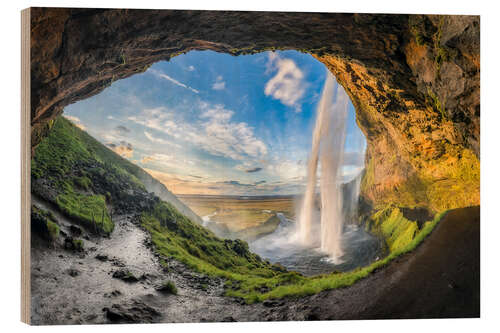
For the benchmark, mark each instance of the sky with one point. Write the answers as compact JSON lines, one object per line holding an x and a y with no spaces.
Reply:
{"x":214,"y":124}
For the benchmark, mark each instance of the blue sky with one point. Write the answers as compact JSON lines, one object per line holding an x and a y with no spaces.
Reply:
{"x":211,"y":123}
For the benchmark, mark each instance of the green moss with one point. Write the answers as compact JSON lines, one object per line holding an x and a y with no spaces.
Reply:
{"x":442,"y":52}
{"x":53,"y":229}
{"x":459,"y":185}
{"x":44,"y":223}
{"x":78,"y":245}
{"x":390,"y":224}
{"x":448,"y":182}
{"x":369,"y":176}
{"x":90,"y":210}
{"x":437,"y":105}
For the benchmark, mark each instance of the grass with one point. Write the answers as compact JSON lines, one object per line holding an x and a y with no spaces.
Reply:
{"x":82,"y":171}
{"x":168,"y":287}
{"x":67,"y":147}
{"x":82,"y":182}
{"x":53,"y":229}
{"x":176,"y":236}
{"x":254,"y":280}
{"x":90,"y":210}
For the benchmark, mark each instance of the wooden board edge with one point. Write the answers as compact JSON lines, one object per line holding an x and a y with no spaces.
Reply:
{"x":25,"y":166}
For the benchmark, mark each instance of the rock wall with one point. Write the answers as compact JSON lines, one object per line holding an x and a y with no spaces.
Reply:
{"x":414,"y":80}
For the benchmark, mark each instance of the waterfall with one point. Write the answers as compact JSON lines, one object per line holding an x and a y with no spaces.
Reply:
{"x":327,"y":150}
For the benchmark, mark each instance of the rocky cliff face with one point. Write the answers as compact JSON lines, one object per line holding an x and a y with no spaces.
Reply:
{"x":413,"y":79}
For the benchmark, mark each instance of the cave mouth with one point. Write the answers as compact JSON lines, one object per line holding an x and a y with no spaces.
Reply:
{"x":231,"y":137}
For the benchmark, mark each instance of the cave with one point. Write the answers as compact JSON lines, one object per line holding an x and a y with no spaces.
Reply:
{"x":414,"y":80}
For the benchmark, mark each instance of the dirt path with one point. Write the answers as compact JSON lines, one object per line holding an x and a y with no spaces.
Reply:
{"x":71,"y":288}
{"x":439,"y":279}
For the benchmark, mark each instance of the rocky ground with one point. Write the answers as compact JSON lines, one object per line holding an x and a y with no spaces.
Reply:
{"x":439,"y":279}
{"x":93,"y":286}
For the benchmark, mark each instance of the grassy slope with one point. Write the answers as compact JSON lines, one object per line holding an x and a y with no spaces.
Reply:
{"x":73,"y":163}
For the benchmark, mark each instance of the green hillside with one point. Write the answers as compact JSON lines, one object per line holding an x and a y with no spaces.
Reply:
{"x":89,"y":183}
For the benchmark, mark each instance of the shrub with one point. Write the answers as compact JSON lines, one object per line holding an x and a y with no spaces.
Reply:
{"x":168,"y":287}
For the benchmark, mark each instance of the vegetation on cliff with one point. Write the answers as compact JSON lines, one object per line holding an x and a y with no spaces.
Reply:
{"x":44,"y":223}
{"x":82,"y":177}
{"x":86,"y":180}
{"x":450,"y":181}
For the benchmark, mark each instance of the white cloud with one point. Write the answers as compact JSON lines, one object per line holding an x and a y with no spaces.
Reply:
{"x":288,"y":170}
{"x":191,"y":68}
{"x":219,"y":83}
{"x":171,"y":79}
{"x":287,"y":84}
{"x":152,"y":118}
{"x":213,"y":131}
{"x":161,"y":141}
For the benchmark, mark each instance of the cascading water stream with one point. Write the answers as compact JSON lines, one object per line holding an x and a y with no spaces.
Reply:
{"x":318,"y":242}
{"x":327,"y":149}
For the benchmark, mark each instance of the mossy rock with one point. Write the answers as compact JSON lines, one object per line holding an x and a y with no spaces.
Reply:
{"x":74,"y":244}
{"x":44,"y":223}
{"x":125,"y":275}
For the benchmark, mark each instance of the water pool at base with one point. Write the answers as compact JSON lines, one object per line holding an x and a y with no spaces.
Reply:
{"x":360,"y":249}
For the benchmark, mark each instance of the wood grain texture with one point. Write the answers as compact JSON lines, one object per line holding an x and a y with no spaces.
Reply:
{"x":25,"y":166}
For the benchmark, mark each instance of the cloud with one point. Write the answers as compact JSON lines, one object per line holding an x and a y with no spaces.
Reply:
{"x":123,"y":149}
{"x":191,"y":68}
{"x":260,"y":182}
{"x":147,"y":159}
{"x":152,"y":118}
{"x":76,"y":121}
{"x":287,"y":84}
{"x":253,"y":170}
{"x":122,"y":130}
{"x":110,"y":117}
{"x":158,"y":158}
{"x":219,"y":83}
{"x":171,"y":79}
{"x":288,"y":170}
{"x":161,"y":141}
{"x":213,"y":131}
{"x":235,"y":183}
